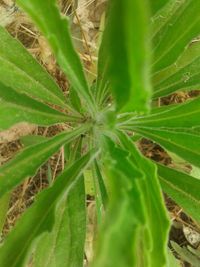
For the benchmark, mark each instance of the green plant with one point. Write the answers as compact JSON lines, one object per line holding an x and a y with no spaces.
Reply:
{"x":140,"y":60}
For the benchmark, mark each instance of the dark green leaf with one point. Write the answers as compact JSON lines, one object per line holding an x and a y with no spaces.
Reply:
{"x":22,"y":72}
{"x":126,"y":54}
{"x":46,"y":16}
{"x":27,"y":162}
{"x":101,"y":185}
{"x":182,"y":188}
{"x":40,"y":216}
{"x":156,"y":5}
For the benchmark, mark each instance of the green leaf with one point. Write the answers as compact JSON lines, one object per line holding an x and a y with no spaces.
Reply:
{"x":27,"y":162}
{"x":40,"y":216}
{"x":176,"y":33}
{"x":124,"y":217}
{"x":30,"y":140}
{"x":156,"y":5}
{"x":172,"y":261}
{"x":74,"y":99}
{"x":162,"y":17}
{"x":101,"y":185}
{"x":185,"y":145}
{"x":182,"y":188}
{"x":126,"y":54}
{"x":153,"y":203}
{"x":183,"y":75}
{"x":15,"y":108}
{"x":184,"y":115}
{"x":4,"y":204}
{"x":64,"y":245}
{"x":186,"y":255}
{"x":46,"y":16}
{"x":22,"y":72}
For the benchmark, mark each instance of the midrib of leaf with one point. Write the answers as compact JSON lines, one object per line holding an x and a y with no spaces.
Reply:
{"x":180,"y":190}
{"x":32,"y":79}
{"x":177,"y":40}
{"x":167,"y":140}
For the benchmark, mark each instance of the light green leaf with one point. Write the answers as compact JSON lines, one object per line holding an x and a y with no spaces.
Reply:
{"x":46,"y":16}
{"x":182,"y":188}
{"x":23,"y":73}
{"x":186,"y":255}
{"x":154,"y":206}
{"x":40,"y":216}
{"x":182,"y":75}
{"x":126,"y":54}
{"x":185,"y":145}
{"x":172,"y":261}
{"x":184,"y":115}
{"x":64,"y":245}
{"x":176,"y":33}
{"x":15,"y":108}
{"x":30,"y":140}
{"x":124,"y":217}
{"x":162,"y":17}
{"x":27,"y":162}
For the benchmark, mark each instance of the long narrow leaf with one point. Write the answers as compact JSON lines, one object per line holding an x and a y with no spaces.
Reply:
{"x":183,"y":75}
{"x":27,"y":162}
{"x":182,"y":188}
{"x":39,"y":217}
{"x":185,"y":115}
{"x":176,"y":34}
{"x":124,"y":218}
{"x":125,"y":48}
{"x":23,"y":73}
{"x":154,"y":205}
{"x":46,"y":16}
{"x":15,"y":108}
{"x":185,"y":145}
{"x":69,"y":230}
{"x":64,"y":245}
